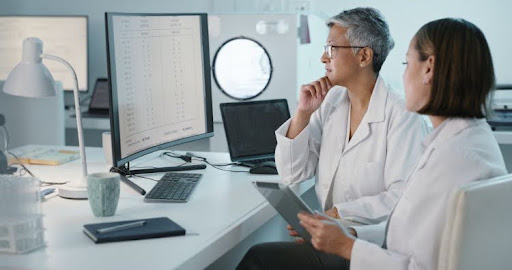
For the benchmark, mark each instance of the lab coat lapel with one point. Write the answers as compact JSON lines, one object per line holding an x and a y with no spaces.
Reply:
{"x":375,"y":113}
{"x":341,"y":125}
{"x":336,"y":148}
{"x":362,"y":133}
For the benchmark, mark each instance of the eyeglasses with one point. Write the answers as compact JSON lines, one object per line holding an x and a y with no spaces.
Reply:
{"x":328,"y":49}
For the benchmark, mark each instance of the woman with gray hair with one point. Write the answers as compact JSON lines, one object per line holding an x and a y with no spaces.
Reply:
{"x":350,"y":132}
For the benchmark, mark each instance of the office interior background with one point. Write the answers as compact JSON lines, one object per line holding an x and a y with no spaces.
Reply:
{"x":405,"y":17}
{"x":303,"y":66}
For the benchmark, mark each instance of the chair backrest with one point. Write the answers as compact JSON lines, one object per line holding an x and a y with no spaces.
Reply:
{"x":478,"y":234}
{"x":33,"y":120}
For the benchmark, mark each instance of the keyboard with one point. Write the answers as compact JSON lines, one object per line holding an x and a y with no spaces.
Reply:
{"x":174,"y":187}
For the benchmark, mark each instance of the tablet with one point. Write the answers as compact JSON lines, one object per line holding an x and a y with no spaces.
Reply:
{"x":286,"y":203}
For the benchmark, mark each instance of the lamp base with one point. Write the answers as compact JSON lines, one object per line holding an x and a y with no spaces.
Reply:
{"x":74,"y":190}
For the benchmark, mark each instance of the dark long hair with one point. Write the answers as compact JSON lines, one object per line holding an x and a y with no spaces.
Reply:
{"x":463,"y":68}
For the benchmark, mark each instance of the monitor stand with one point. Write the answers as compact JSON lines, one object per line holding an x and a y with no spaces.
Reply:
{"x":125,"y":170}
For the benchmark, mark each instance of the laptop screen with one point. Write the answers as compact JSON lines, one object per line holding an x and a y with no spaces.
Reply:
{"x":100,"y":97}
{"x":250,"y":126}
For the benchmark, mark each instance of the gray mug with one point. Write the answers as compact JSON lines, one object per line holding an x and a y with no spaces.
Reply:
{"x":103,"y":191}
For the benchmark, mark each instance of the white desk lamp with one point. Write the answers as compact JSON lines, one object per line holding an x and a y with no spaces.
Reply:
{"x":31,"y":78}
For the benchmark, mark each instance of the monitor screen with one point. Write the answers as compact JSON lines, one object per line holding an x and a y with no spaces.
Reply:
{"x":250,"y":126}
{"x":159,"y":73}
{"x":100,"y":97}
{"x":62,"y":36}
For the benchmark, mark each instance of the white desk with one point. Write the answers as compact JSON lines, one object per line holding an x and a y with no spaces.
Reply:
{"x":223,"y":210}
{"x":503,"y":137}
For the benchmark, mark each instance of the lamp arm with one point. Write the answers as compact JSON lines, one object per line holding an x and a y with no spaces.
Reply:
{"x":77,"y":109}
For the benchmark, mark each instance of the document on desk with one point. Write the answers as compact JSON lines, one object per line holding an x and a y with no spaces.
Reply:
{"x":132,"y":230}
{"x":43,"y":155}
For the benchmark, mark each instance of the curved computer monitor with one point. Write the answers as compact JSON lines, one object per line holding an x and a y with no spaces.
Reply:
{"x":159,"y":76}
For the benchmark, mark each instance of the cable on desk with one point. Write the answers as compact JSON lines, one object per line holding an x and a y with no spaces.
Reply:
{"x":185,"y":158}
{"x":5,"y":134}
{"x":21,"y":164}
{"x":190,"y":156}
{"x":24,"y":169}
{"x":128,"y":174}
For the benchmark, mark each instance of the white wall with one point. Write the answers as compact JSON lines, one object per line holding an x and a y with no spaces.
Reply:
{"x":96,"y":9}
{"x":405,"y":17}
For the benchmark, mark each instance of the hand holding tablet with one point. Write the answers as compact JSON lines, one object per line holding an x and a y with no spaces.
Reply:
{"x":289,"y":205}
{"x":286,"y":203}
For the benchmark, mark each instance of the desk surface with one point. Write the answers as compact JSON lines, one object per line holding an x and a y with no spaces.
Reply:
{"x":222,"y":211}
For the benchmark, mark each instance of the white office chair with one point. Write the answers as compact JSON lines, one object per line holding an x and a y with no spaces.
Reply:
{"x":478,"y":234}
{"x":33,"y":120}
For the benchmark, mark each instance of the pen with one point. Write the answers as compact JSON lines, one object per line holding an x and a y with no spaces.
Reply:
{"x":132,"y":185}
{"x":122,"y":227}
{"x":47,"y":191}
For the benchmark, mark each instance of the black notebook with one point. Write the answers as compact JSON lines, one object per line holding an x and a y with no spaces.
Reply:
{"x":132,"y":230}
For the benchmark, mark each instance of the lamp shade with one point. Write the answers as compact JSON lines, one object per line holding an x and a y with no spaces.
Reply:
{"x":30,"y":78}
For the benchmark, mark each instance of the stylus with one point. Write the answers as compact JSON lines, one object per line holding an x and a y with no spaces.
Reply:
{"x":132,"y":185}
{"x":122,"y":227}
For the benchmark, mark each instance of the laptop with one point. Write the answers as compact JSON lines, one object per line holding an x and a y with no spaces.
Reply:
{"x":250,"y":129}
{"x":100,"y":101}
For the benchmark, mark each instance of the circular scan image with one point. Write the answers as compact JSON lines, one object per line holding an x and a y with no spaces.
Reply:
{"x":242,"y":68}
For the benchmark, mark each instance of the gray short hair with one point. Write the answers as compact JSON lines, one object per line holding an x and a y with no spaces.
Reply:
{"x":366,"y":27}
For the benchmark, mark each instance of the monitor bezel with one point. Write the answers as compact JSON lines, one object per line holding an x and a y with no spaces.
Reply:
{"x":117,"y":160}
{"x":88,"y":71}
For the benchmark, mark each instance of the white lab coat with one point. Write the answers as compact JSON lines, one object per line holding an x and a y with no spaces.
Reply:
{"x":459,"y":151}
{"x":367,"y":175}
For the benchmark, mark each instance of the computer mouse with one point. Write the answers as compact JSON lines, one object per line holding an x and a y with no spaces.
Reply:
{"x":268,"y":167}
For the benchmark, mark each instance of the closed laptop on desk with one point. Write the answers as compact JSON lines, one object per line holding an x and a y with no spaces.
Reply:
{"x":250,"y":128}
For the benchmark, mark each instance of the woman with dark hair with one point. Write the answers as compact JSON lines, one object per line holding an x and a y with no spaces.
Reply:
{"x":448,"y":77}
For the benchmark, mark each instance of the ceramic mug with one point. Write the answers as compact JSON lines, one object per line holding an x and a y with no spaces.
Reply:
{"x":103,"y":191}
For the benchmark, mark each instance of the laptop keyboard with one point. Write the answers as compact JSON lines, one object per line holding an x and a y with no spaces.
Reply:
{"x":174,"y":187}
